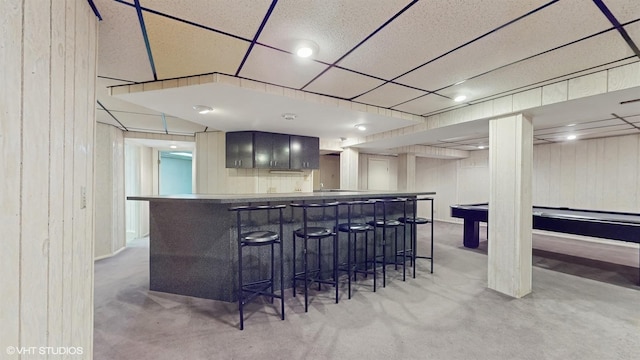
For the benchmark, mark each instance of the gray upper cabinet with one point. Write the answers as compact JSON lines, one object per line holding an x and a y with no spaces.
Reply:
{"x":264,"y":150}
{"x":239,"y":149}
{"x":271,"y":151}
{"x":304,"y":152}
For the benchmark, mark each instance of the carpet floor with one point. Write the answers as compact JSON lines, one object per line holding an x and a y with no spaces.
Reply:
{"x":585,"y":304}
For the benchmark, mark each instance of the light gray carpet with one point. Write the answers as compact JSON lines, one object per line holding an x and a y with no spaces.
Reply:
{"x":579,"y":309}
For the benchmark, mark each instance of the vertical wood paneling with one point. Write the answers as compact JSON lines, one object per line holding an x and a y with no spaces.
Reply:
{"x":10,"y":185}
{"x":566,"y":186}
{"x":56,"y":177}
{"x":592,"y":171}
{"x":626,"y":175}
{"x":555,"y":167}
{"x":582,"y":176}
{"x":610,"y":169}
{"x":69,"y":180}
{"x":600,"y":175}
{"x":35,"y":187}
{"x":542,"y":166}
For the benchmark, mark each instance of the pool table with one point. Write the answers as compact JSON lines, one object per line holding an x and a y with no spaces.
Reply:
{"x":601,"y":224}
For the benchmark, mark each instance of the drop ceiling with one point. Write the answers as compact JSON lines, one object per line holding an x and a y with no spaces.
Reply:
{"x":412,"y":57}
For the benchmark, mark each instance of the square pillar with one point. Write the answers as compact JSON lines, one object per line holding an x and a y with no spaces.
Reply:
{"x":349,"y":169}
{"x":406,"y":172}
{"x":510,"y":205}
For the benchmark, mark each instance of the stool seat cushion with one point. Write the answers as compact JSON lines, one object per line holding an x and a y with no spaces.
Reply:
{"x":419,"y":220}
{"x":314,"y":232}
{"x":354,"y":227}
{"x":259,"y":237}
{"x":381,"y":223}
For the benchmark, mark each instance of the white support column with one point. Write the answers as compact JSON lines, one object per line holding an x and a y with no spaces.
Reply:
{"x":406,"y":172}
{"x":349,"y":169}
{"x":510,"y":205}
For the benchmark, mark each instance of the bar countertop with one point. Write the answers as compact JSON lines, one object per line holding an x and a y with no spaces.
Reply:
{"x":243,"y":198}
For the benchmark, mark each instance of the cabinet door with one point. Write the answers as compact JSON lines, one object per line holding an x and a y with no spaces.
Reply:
{"x":280,"y":151}
{"x":239,"y":149}
{"x":305,"y":152}
{"x":271,"y":150}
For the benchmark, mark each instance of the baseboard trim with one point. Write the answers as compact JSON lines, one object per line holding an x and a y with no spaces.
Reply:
{"x":109,"y":255}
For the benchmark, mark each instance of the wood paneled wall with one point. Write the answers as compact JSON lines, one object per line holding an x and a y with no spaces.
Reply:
{"x":47,"y":119}
{"x":596,"y":174}
{"x":110,"y":198}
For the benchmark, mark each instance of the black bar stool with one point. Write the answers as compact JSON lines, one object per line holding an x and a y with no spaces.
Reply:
{"x":354,"y":228}
{"x":251,"y":290}
{"x":306,"y":232}
{"x":413,"y":221}
{"x":385,"y":223}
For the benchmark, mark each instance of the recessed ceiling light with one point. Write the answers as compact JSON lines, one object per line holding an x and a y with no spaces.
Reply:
{"x":361,"y":127}
{"x":202,"y":109}
{"x":481,"y":147}
{"x":306,"y":48}
{"x":289,"y":116}
{"x":571,"y":125}
{"x":460,"y":98}
{"x":571,"y":137}
{"x":173,"y":147}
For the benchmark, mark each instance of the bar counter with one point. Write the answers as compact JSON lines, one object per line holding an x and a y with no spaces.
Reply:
{"x":193,"y":238}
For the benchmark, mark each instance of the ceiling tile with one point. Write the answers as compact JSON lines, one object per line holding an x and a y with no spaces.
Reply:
{"x":139,"y":122}
{"x":592,"y":133}
{"x":113,"y":103}
{"x":179,"y":126}
{"x":342,"y":83}
{"x":104,"y":118}
{"x":633,"y":119}
{"x":624,"y":10}
{"x":429,"y":29}
{"x":568,"y":59}
{"x":590,"y":126}
{"x":181,"y":50}
{"x":237,"y":17}
{"x":425,"y":104}
{"x":634,"y":32}
{"x":121,"y":50}
{"x":556,"y":25}
{"x":277,"y":67}
{"x":336,"y":26}
{"x":389,"y":94}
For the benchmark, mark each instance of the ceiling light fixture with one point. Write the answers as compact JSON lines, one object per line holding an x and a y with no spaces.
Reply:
{"x":361,"y":127}
{"x":173,"y":147}
{"x":460,"y":98}
{"x":306,"y":48}
{"x":481,"y":147}
{"x":202,"y":109}
{"x":570,"y":125}
{"x":571,"y":137}
{"x":289,"y":116}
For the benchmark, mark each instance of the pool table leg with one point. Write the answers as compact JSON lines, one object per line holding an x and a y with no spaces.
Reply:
{"x":471,"y":233}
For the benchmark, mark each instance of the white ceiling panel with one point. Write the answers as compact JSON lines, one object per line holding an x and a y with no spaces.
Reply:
{"x":179,"y":126}
{"x":587,"y":133}
{"x":624,"y":10}
{"x":115,"y":104}
{"x":429,"y":29}
{"x":568,"y":59}
{"x":633,"y":119}
{"x":103,"y":117}
{"x":336,"y":26}
{"x":237,"y":17}
{"x":634,"y":32}
{"x":121,"y":50}
{"x":140,"y":122}
{"x":342,"y":83}
{"x":208,"y":51}
{"x":389,"y":94}
{"x":591,"y":126}
{"x":556,"y":25}
{"x":276,"y":67}
{"x":425,"y":104}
